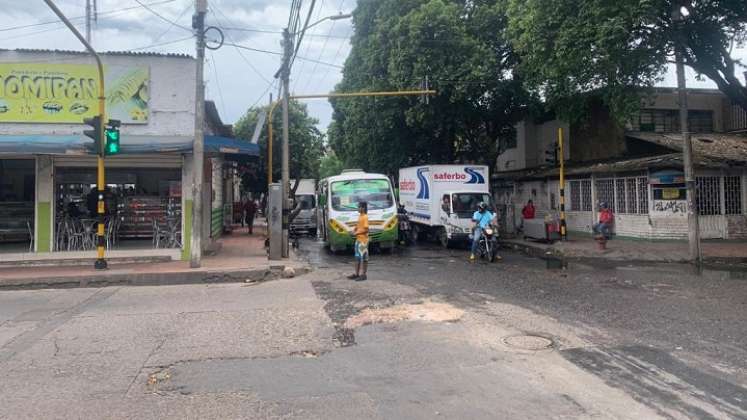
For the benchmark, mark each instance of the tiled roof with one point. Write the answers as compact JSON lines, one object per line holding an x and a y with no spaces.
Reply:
{"x":726,"y":147}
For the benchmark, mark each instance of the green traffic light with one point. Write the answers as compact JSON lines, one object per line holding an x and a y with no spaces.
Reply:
{"x":112,"y":141}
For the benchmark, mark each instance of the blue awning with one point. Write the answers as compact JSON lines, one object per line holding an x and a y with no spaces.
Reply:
{"x":80,"y":145}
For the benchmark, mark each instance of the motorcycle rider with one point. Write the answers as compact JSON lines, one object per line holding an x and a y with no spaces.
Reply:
{"x":482,"y":218}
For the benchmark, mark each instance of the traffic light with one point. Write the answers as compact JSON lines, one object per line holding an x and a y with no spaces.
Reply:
{"x":111,"y":134}
{"x":95,"y":132}
{"x":551,"y":156}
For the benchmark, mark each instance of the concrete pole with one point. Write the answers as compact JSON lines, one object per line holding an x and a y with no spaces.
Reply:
{"x":693,"y":224}
{"x":288,"y":50}
{"x":198,"y":150}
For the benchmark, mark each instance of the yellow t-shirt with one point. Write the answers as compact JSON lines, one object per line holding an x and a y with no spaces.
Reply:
{"x":361,"y":229}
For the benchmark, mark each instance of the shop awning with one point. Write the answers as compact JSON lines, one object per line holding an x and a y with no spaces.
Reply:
{"x":79,"y":145}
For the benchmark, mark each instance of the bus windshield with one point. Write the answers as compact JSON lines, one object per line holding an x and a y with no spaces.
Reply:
{"x":347,"y":194}
{"x":465,"y":204}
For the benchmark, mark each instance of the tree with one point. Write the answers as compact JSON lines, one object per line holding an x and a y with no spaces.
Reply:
{"x":330,"y":165}
{"x":459,"y":46}
{"x":306,"y":145}
{"x":572,"y":47}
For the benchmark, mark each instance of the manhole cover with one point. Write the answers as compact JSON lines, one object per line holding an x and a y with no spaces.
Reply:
{"x":528,"y":342}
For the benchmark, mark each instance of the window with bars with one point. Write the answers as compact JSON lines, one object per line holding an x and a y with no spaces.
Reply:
{"x":642,"y":195}
{"x":605,"y":191}
{"x":708,"y":195}
{"x":624,"y":195}
{"x":732,"y":195}
{"x":586,"y":195}
{"x":580,"y":195}
{"x":668,"y":121}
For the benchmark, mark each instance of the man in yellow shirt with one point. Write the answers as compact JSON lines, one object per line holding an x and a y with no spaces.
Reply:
{"x":361,"y":243}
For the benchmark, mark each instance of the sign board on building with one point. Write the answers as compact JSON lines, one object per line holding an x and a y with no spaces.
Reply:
{"x":667,"y":177}
{"x":68,"y":93}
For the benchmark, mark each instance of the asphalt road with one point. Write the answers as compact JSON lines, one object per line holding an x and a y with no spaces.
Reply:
{"x":673,"y":339}
{"x":429,"y":335}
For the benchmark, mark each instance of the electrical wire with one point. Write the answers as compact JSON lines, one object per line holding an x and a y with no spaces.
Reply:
{"x":308,"y":45}
{"x":162,"y":17}
{"x":334,"y":60}
{"x":158,"y":38}
{"x":108,"y":12}
{"x":217,"y":83}
{"x":215,"y":9}
{"x":324,"y":46}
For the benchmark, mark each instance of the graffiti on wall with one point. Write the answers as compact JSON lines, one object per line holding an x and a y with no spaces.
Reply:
{"x":671,"y":206}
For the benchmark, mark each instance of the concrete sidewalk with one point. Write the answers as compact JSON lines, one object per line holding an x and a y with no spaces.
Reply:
{"x":238,"y":257}
{"x":620,"y":249}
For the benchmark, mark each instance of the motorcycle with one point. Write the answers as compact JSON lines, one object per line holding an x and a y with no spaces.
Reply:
{"x":487,"y":248}
{"x":404,"y":225}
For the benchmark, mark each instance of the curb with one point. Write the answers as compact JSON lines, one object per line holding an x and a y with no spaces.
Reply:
{"x":257,"y":275}
{"x":552,"y":252}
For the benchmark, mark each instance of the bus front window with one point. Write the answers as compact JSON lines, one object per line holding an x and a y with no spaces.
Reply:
{"x":347,"y":194}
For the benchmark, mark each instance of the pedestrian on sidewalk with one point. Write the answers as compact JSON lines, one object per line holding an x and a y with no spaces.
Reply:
{"x":250,"y":210}
{"x":527,"y":213}
{"x":606,"y":219}
{"x":361,"y":243}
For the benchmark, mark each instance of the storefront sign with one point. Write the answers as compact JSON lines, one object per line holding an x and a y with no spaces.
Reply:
{"x":670,"y":193}
{"x":667,"y":177}
{"x":68,"y":93}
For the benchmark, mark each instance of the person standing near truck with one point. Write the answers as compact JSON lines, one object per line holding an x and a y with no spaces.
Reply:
{"x":361,"y":243}
{"x":250,"y":210}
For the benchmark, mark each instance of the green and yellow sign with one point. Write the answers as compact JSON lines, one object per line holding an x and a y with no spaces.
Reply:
{"x":67,"y":93}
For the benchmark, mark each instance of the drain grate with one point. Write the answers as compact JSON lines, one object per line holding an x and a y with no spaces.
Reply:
{"x":529,"y":342}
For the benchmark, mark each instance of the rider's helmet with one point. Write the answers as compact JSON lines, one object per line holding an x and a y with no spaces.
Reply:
{"x":602,"y":205}
{"x":482,"y":206}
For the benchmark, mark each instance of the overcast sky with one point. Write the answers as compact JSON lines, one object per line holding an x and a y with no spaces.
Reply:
{"x":236,"y":79}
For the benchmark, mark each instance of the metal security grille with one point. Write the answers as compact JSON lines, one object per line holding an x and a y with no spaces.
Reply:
{"x":642,"y":195}
{"x":620,"y":202}
{"x":733,"y":195}
{"x":586,"y":195}
{"x":708,"y":195}
{"x":575,"y":190}
{"x":631,"y":201}
{"x":606,"y":191}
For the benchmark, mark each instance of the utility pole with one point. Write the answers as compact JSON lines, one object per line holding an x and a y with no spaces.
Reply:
{"x":693,"y":224}
{"x":198,"y":150}
{"x":285,"y":169}
{"x":88,"y":21}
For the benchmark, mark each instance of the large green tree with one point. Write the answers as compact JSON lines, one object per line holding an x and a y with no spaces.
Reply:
{"x":571,"y":47}
{"x":460,"y":47}
{"x":306,"y":145}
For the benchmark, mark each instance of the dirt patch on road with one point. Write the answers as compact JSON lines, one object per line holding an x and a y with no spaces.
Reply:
{"x":427,"y":311}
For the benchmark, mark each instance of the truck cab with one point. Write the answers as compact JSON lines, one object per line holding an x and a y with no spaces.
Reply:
{"x":306,"y":199}
{"x":457,"y":209}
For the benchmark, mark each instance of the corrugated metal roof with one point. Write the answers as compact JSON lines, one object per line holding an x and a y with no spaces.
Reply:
{"x":116,"y":53}
{"x":728,"y":147}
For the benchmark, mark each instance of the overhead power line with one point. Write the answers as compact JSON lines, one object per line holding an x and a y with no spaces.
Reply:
{"x":162,"y":17}
{"x":246,"y":60}
{"x":108,"y":12}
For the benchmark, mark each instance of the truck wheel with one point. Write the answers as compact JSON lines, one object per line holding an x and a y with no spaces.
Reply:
{"x":415,"y":234}
{"x":443,"y":238}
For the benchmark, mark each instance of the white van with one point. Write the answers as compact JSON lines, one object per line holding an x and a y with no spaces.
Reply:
{"x":306,"y":220}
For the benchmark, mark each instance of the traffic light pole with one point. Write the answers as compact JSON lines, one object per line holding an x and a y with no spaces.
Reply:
{"x":561,"y":158}
{"x":100,"y":178}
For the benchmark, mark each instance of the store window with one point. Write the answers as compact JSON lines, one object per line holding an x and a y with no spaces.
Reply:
{"x":580,"y":195}
{"x":142,"y":208}
{"x":17,"y":192}
{"x":626,"y":195}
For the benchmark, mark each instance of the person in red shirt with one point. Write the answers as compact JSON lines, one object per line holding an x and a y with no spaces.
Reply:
{"x":528,"y":211}
{"x":606,"y":219}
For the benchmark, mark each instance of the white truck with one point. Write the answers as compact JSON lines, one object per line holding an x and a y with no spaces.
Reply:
{"x":306,"y":220}
{"x":441,"y":199}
